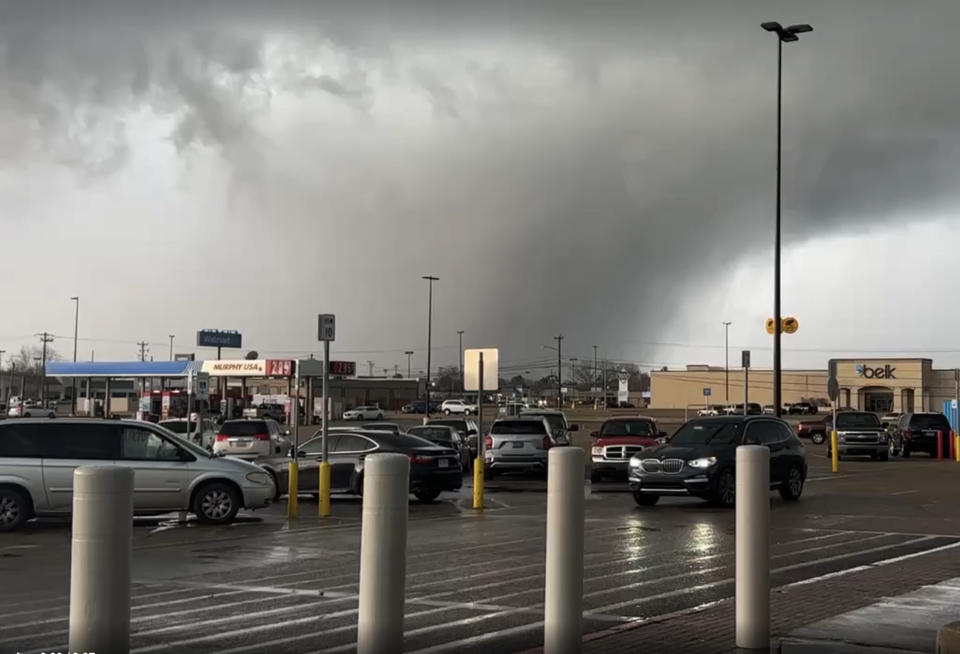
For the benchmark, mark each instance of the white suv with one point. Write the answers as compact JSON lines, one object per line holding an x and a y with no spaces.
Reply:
{"x":458,"y":406}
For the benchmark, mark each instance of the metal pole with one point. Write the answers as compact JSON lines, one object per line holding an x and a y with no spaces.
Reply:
{"x":383,"y":554}
{"x":324,"y":473}
{"x":563,"y":589}
{"x":753,"y":547}
{"x":293,"y":485}
{"x":3,"y":393}
{"x":726,"y":365}
{"x":100,"y":559}
{"x":481,"y":444}
{"x":746,"y":389}
{"x":594,"y":376}
{"x":777,"y":403}
{"x":430,"y":279}
{"x":559,"y":340}
{"x":460,"y":360}
{"x":170,"y":336}
{"x":76,"y":328}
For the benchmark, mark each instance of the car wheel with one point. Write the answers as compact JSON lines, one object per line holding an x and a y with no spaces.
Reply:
{"x":792,"y":487}
{"x":725,"y":491}
{"x":818,"y":438}
{"x":51,"y":415}
{"x":892,"y":448}
{"x":216,"y":503}
{"x":645,"y":499}
{"x":906,"y":451}
{"x":14,"y":509}
{"x":884,"y":456}
{"x":427,"y":496}
{"x":446,"y":412}
{"x":595,"y":477}
{"x":379,"y":416}
{"x":489,"y":473}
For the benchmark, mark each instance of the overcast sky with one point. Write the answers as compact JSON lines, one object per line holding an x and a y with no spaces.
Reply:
{"x":603,"y":170}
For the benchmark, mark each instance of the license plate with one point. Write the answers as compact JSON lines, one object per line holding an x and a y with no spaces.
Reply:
{"x":518,"y":445}
{"x":443,"y":463}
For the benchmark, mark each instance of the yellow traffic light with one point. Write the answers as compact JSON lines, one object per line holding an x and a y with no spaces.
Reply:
{"x":789,"y":325}
{"x":769,"y":325}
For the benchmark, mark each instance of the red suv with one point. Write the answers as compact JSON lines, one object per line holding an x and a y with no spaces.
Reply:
{"x":619,"y":439}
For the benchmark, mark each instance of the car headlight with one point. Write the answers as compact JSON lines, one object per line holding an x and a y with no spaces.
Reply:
{"x":704,"y":462}
{"x":596,"y":450}
{"x":258,"y":477}
{"x":634,"y":462}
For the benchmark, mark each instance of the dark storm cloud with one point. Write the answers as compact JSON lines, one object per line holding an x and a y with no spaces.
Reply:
{"x":603,"y":199}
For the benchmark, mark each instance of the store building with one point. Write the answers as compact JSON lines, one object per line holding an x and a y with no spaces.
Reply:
{"x":868,"y":384}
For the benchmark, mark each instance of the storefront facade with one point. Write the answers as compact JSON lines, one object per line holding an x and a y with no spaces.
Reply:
{"x":880,"y":385}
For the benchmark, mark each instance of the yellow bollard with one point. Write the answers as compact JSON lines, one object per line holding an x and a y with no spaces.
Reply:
{"x":956,"y":446}
{"x":478,"y":483}
{"x":292,"y":488}
{"x":834,"y":452}
{"x":324,"y":501}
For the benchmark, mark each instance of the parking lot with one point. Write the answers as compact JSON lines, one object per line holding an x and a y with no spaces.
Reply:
{"x":475,"y":581}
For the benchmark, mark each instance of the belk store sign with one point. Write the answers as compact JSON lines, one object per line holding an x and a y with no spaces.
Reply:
{"x":879,"y":372}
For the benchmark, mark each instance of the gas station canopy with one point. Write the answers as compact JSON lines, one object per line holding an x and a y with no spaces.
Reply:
{"x":119,"y":369}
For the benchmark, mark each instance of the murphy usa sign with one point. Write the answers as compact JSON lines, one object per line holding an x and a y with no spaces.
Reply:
{"x":880,"y":372}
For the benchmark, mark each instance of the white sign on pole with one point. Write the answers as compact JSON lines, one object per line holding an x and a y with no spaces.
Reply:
{"x":327,"y":327}
{"x":491,"y":369}
{"x":623,"y":390}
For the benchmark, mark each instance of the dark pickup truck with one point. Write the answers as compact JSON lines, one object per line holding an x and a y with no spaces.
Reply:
{"x":861,"y":433}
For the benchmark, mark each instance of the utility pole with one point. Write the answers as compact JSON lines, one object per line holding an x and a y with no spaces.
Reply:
{"x":170,"y":336}
{"x":460,"y":360}
{"x":76,"y":325}
{"x":409,"y":354}
{"x":559,"y":340}
{"x":143,"y":350}
{"x":430,"y":280}
{"x":726,"y":364}
{"x":44,"y":339}
{"x":593,"y":382}
{"x":3,"y":395}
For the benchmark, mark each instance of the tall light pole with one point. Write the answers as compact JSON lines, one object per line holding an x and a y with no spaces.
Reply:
{"x":784,"y":35}
{"x":76,"y":326}
{"x":726,"y":360}
{"x":3,"y":395}
{"x":170,"y":336}
{"x":460,"y":360}
{"x":409,"y":354}
{"x":430,"y":280}
{"x":593,"y":384}
{"x":559,"y":351}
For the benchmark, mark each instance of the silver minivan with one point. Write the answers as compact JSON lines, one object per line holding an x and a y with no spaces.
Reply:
{"x":38,"y":458}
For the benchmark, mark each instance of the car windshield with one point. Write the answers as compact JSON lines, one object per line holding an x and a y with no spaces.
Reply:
{"x":435,"y":434}
{"x":179,"y":426}
{"x":855,"y":420}
{"x":244,"y":428}
{"x":929,"y":421}
{"x":704,"y":432}
{"x":627,"y":428}
{"x":518,"y":427}
{"x":459,"y":425}
{"x":555,"y":420}
{"x":185,"y":444}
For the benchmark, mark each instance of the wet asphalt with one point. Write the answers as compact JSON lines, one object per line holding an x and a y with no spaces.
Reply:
{"x":474,"y":580}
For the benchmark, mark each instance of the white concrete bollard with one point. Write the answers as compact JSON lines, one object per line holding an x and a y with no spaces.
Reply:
{"x":100,"y":559}
{"x":563,"y":589}
{"x":753,"y":547}
{"x":383,"y":554}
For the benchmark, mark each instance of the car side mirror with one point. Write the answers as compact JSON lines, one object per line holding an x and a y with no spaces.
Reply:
{"x":662,"y":435}
{"x":471,"y":432}
{"x":278,"y":450}
{"x":661,"y":441}
{"x":594,"y":434}
{"x":562,"y":440}
{"x":573,"y":427}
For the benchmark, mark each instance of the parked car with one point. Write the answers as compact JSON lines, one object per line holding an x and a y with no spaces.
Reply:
{"x":890,"y":419}
{"x":466,"y":427}
{"x":769,"y":410}
{"x":364,"y":413}
{"x":31,"y":411}
{"x":559,"y":427}
{"x":391,"y":427}
{"x":458,"y":406}
{"x":38,"y":459}
{"x":815,"y":430}
{"x":802,"y":408}
{"x":700,"y":459}
{"x":251,"y":438}
{"x":918,"y":432}
{"x":202,"y":432}
{"x":517,"y":444}
{"x":860,"y":433}
{"x":433,"y":469}
{"x":445,"y":436}
{"x":616,"y":441}
{"x":714,"y":410}
{"x":419,"y":406}
{"x":270,"y":410}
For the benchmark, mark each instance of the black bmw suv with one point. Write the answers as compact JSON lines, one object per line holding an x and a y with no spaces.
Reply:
{"x":699,"y":460}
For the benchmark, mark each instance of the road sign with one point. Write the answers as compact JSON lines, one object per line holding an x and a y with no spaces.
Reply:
{"x":327,"y":328}
{"x":491,"y":369}
{"x":833,"y":387}
{"x":745,"y":358}
{"x":219,"y":338}
{"x":706,"y":392}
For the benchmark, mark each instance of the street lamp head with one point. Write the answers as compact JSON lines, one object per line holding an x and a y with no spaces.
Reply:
{"x":772,"y":26}
{"x":802,"y":28}
{"x":430,"y":277}
{"x":74,"y":297}
{"x":787,"y":37}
